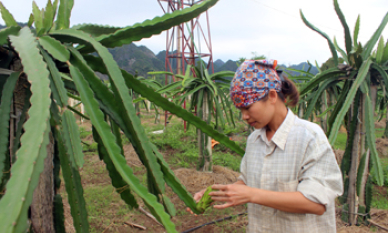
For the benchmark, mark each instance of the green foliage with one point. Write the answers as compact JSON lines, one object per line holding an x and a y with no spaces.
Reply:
{"x":5,"y":109}
{"x":53,"y":59}
{"x":184,"y":145}
{"x":352,"y":83}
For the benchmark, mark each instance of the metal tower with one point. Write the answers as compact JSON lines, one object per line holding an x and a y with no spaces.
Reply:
{"x":187,"y":42}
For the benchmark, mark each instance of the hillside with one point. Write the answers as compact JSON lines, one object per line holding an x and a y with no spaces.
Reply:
{"x":139,"y":60}
{"x":136,"y":59}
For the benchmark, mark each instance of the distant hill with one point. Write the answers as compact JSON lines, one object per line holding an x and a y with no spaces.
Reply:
{"x":136,"y":59}
{"x":229,"y":65}
{"x":302,"y":66}
{"x":217,"y":64}
{"x":139,"y":60}
{"x":20,"y":24}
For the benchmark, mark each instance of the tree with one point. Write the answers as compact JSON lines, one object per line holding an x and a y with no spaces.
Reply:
{"x":354,"y":83}
{"x":47,"y":62}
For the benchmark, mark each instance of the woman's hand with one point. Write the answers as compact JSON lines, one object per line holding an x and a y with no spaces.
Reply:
{"x":198,"y":195}
{"x":232,"y":194}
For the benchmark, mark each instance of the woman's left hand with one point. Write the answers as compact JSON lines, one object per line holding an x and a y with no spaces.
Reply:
{"x":231,"y":194}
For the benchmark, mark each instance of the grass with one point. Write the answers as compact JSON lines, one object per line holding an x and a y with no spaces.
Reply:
{"x":104,"y":206}
{"x":340,"y":142}
{"x":380,"y":200}
{"x":184,"y":145}
{"x":101,"y":197}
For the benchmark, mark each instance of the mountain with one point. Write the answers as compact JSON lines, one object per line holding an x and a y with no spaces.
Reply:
{"x":218,"y":63}
{"x":229,"y":65}
{"x":302,"y":66}
{"x":136,"y":59}
{"x":20,"y":24}
{"x":139,"y":60}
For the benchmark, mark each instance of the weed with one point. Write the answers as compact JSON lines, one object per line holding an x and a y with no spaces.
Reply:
{"x":227,"y":160}
{"x":379,"y":200}
{"x":340,"y":143}
{"x":83,"y":133}
{"x":89,"y":147}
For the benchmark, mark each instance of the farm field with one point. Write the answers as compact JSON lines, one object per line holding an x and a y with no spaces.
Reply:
{"x":108,"y":213}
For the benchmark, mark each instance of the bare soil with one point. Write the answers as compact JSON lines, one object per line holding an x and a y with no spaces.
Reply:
{"x":194,"y":181}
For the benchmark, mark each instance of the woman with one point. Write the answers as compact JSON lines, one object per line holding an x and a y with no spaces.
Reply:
{"x":289,"y":174}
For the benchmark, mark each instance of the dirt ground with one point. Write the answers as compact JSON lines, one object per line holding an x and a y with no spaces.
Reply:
{"x":194,"y":181}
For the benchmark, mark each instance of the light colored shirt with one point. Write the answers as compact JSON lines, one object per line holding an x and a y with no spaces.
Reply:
{"x":297,"y":158}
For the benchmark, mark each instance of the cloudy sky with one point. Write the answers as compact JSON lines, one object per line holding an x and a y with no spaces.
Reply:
{"x":240,"y":28}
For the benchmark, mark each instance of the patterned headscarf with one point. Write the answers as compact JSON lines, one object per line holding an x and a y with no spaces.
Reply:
{"x":253,"y":80}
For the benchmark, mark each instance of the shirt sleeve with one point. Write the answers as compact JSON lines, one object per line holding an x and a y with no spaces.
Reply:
{"x":320,"y":179}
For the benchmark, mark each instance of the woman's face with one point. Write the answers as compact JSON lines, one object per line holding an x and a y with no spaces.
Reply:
{"x":258,"y":114}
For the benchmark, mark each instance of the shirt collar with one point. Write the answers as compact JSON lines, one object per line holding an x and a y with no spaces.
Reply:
{"x":280,"y":136}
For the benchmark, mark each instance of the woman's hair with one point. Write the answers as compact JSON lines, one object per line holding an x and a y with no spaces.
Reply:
{"x":289,"y":92}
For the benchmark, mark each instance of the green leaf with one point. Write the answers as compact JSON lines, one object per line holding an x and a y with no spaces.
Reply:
{"x":385,"y":54}
{"x":96,"y":30}
{"x":347,"y":158}
{"x":64,"y":12}
{"x":71,"y":139}
{"x":372,"y":41}
{"x":371,"y":141}
{"x":343,"y":53}
{"x":331,"y":45}
{"x":380,"y":51}
{"x":360,"y":172}
{"x":15,"y":203}
{"x":364,"y":69}
{"x":48,"y":16}
{"x":196,"y":89}
{"x":30,"y":20}
{"x":340,"y":101}
{"x":174,"y":182}
{"x":168,"y":205}
{"x":317,"y":94}
{"x":22,"y":119}
{"x":118,"y":83}
{"x":383,"y":74}
{"x":55,"y":7}
{"x":7,"y":17}
{"x":110,"y":107}
{"x":55,"y":48}
{"x":55,"y":80}
{"x":108,"y":139}
{"x":152,"y":27}
{"x":17,"y":200}
{"x":59,"y":217}
{"x":120,"y":185}
{"x":356,"y":31}
{"x":5,"y":110}
{"x":219,"y":113}
{"x":38,"y":20}
{"x":348,"y":38}
{"x":368,"y":193}
{"x":157,"y":99}
{"x":319,"y":78}
{"x":73,"y":186}
{"x":169,"y":87}
{"x":310,"y":75}
{"x":77,"y":112}
{"x":6,"y":32}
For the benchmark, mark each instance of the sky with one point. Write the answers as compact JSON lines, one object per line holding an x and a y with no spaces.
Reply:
{"x":239,"y":28}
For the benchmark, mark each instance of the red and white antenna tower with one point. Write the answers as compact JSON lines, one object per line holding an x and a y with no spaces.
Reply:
{"x":188,"y":41}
